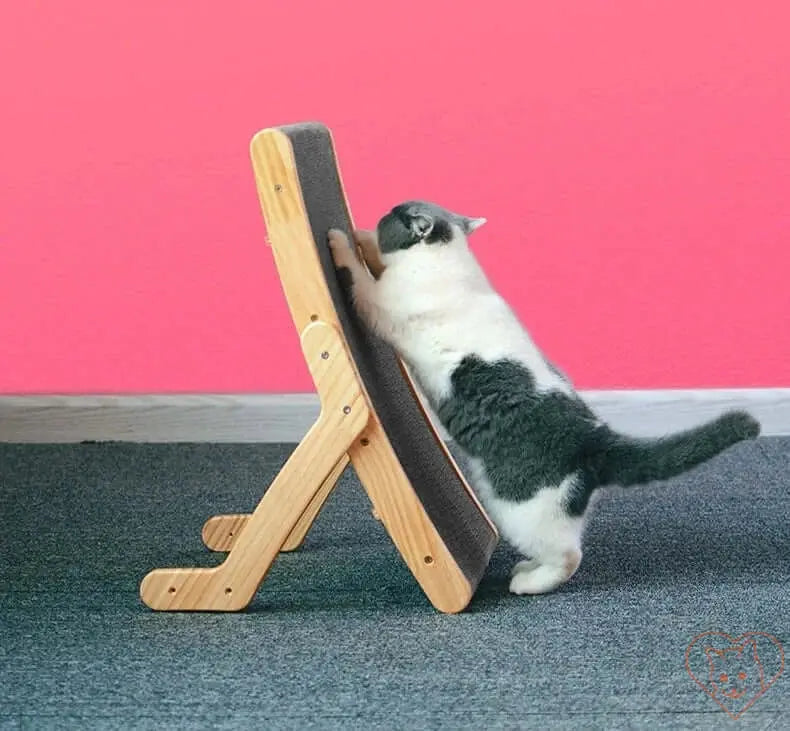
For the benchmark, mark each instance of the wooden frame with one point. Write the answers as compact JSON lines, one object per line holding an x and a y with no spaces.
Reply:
{"x":344,"y":414}
{"x":348,"y":430}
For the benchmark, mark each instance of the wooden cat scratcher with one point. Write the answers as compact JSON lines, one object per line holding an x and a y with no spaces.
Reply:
{"x":369,"y":416}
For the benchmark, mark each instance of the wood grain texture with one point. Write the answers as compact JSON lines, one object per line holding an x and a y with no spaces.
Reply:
{"x":344,"y":414}
{"x":220,"y":532}
{"x":407,"y":523}
{"x":288,"y":230}
{"x":372,"y":455}
{"x":414,"y":535}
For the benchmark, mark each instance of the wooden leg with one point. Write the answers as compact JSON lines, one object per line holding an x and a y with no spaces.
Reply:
{"x":221,"y":531}
{"x":344,"y":415}
{"x":397,"y":506}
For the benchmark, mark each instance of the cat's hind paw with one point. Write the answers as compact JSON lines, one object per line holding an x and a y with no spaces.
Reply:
{"x":536,"y":581}
{"x":533,"y":577}
{"x":528,"y":564}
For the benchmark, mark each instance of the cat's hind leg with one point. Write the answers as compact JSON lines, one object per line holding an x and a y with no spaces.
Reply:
{"x":535,"y":577}
{"x":526,"y":564}
{"x":542,"y":529}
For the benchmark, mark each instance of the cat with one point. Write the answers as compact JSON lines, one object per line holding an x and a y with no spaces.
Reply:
{"x":735,"y":672}
{"x":535,"y":451}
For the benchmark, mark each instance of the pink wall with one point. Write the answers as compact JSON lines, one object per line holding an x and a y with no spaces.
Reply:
{"x":633,"y":160}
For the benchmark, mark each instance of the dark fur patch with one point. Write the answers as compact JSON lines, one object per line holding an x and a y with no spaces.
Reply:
{"x":441,"y":233}
{"x":402,"y":214}
{"x":345,"y":278}
{"x":396,"y":232}
{"x":526,"y":439}
{"x":529,"y":440}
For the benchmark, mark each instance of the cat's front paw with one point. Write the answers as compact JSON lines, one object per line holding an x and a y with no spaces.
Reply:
{"x":368,"y":245}
{"x":365,"y":239}
{"x":342,"y":254}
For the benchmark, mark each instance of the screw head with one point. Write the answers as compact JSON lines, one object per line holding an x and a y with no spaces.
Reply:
{"x":346,"y":409}
{"x":278,"y":188}
{"x":325,"y":354}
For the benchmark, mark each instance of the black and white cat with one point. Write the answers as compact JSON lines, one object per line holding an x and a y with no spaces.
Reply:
{"x":536,"y":451}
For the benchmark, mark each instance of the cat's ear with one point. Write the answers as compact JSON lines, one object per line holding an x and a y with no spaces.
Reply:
{"x":472,"y":224}
{"x":421,"y":225}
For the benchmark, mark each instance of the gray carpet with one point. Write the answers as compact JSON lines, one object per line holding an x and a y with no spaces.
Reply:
{"x":340,"y":635}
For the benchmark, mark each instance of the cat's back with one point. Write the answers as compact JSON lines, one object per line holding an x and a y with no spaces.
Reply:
{"x":526,"y":437}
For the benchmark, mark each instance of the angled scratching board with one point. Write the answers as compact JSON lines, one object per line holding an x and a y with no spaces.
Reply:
{"x":370,"y":416}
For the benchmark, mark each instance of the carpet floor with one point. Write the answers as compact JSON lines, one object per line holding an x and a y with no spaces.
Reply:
{"x":341,"y":636}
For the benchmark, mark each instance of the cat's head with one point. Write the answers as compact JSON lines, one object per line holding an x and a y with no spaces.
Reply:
{"x":422,"y":223}
{"x":735,"y":671}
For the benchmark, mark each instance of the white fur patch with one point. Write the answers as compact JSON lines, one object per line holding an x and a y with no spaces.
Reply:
{"x":539,"y":528}
{"x":442,"y":308}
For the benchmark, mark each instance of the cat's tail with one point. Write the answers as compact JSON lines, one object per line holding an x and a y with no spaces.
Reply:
{"x":628,"y":461}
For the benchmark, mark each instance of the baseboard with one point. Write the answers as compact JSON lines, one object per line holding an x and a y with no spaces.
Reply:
{"x":287,"y":417}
